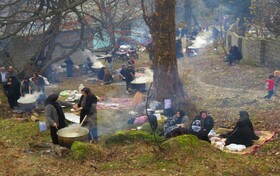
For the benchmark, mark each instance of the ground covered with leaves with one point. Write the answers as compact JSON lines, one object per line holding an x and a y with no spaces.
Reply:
{"x":210,"y":84}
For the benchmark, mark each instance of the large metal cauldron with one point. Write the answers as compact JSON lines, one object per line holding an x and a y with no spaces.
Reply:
{"x":139,"y":86}
{"x":67,"y":135}
{"x":26,"y":106}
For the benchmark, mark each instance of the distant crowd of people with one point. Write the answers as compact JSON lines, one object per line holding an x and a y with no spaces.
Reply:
{"x":13,"y":88}
{"x":106,"y":74}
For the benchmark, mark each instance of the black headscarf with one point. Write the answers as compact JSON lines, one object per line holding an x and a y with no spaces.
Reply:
{"x":86,"y":90}
{"x":52,"y":100}
{"x":244,"y":115}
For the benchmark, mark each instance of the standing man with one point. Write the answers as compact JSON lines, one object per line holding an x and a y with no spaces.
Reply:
{"x":109,"y":59}
{"x":201,"y":126}
{"x":88,"y":65}
{"x":69,"y":66}
{"x":87,"y":108}
{"x":4,"y":79}
{"x":10,"y":72}
{"x":129,"y":76}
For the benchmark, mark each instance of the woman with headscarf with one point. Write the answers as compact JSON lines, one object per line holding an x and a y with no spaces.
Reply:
{"x":175,"y":125}
{"x":242,"y":135}
{"x":13,"y":91}
{"x":54,"y":116}
{"x":245,"y":118}
{"x":87,"y":106}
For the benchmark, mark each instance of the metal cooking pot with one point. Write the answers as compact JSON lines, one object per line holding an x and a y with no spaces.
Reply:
{"x":138,"y":85}
{"x":67,"y":135}
{"x":27,"y":107}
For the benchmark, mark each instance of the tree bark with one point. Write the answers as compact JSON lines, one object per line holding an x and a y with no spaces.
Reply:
{"x":167,"y":84}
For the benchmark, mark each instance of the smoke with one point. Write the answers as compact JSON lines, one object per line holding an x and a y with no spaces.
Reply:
{"x":112,"y":121}
{"x":202,"y":40}
{"x":88,"y":54}
{"x":147,"y":78}
{"x":96,"y":63}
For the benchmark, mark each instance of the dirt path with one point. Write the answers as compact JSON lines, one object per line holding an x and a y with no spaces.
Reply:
{"x":225,"y":90}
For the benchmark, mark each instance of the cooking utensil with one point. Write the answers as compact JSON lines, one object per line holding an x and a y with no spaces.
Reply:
{"x":67,"y":135}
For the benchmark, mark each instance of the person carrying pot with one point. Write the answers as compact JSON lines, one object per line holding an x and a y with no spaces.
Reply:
{"x":54,"y":116}
{"x":87,"y":108}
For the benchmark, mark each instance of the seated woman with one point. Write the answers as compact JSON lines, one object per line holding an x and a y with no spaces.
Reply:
{"x":241,"y":135}
{"x":108,"y":78}
{"x":101,"y":74}
{"x":175,"y":125}
{"x":245,"y":117}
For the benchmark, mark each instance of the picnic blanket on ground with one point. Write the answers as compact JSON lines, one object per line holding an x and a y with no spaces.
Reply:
{"x":121,"y":103}
{"x":115,"y":103}
{"x":265,"y":136}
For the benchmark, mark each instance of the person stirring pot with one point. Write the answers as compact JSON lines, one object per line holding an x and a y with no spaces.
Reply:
{"x":54,"y":116}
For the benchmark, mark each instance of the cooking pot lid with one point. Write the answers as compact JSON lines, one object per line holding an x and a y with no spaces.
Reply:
{"x":138,"y":82}
{"x":72,"y":117}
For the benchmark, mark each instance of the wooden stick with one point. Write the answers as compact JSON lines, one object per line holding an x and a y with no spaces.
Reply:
{"x":83,"y":121}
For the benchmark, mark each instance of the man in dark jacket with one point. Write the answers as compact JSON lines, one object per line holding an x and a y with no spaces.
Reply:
{"x":69,"y":66}
{"x":129,"y":76}
{"x":13,"y":91}
{"x":201,"y":126}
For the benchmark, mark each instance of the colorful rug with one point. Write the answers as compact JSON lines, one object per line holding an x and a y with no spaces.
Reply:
{"x":265,"y":137}
{"x":115,"y":103}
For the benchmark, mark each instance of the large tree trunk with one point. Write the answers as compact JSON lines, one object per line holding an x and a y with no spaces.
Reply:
{"x":167,"y":83}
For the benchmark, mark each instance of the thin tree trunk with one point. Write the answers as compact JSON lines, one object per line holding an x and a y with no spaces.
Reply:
{"x":188,"y":13}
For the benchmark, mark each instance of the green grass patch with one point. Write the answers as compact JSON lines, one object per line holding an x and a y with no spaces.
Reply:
{"x":21,"y":133}
{"x":131,"y":136}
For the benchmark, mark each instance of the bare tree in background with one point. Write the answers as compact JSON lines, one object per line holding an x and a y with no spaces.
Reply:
{"x":111,"y":16}
{"x":44,"y":20}
{"x":273,"y":18}
{"x":160,"y":17}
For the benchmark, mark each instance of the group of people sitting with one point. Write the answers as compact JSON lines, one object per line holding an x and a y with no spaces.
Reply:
{"x":14,"y":89}
{"x":242,"y":133}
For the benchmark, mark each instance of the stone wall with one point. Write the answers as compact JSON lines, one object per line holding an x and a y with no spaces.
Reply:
{"x":259,"y":51}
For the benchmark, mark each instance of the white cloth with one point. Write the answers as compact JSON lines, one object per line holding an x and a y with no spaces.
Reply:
{"x":236,"y":147}
{"x":3,"y":76}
